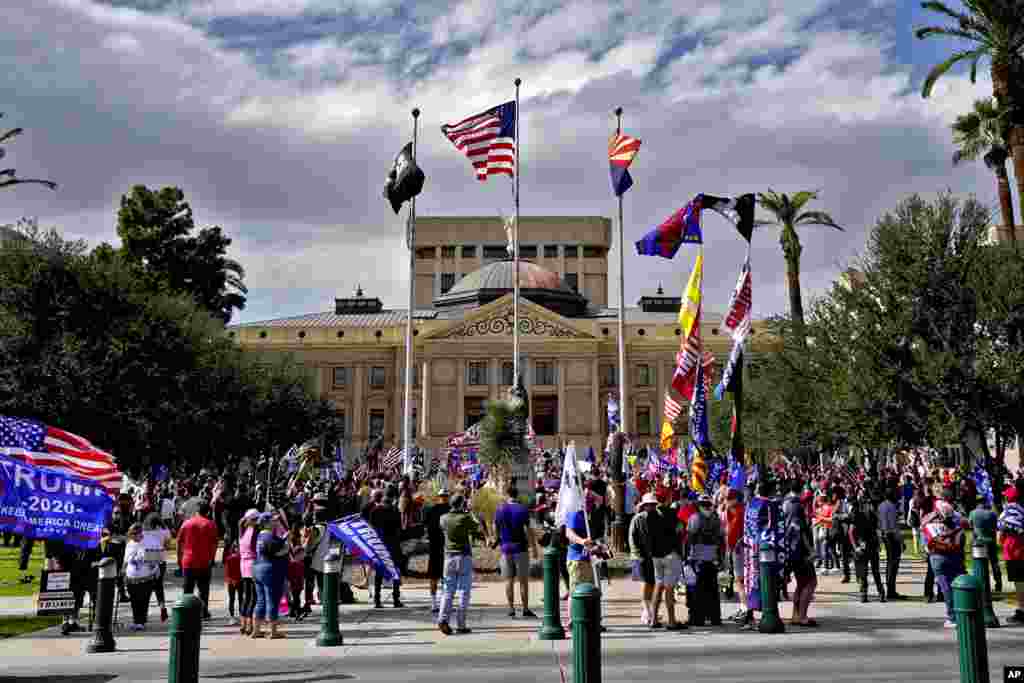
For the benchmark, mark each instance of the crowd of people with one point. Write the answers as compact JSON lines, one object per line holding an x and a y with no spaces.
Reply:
{"x":683,"y":544}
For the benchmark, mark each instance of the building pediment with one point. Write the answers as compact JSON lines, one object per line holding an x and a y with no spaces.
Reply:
{"x":496,"y":321}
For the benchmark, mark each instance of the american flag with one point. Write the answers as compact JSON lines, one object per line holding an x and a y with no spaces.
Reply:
{"x":673,"y":409}
{"x":488,"y":139}
{"x":37,"y":444}
{"x":391,"y":459}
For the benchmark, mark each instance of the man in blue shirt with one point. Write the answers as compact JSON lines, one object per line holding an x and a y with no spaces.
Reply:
{"x":580,"y":545}
{"x":512,"y":522}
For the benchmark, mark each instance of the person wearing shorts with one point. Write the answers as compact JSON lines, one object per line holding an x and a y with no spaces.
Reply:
{"x":512,"y":523}
{"x":640,"y":551}
{"x":666,"y":556}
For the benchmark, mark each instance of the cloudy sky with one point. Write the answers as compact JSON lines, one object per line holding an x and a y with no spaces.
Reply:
{"x":279,"y":119}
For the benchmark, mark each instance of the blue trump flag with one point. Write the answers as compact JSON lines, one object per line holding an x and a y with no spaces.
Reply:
{"x":37,"y":502}
{"x":737,"y":474}
{"x":361,"y":538}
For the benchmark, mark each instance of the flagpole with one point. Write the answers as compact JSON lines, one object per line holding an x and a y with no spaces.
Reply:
{"x":515,"y":254}
{"x":411,"y":235}
{"x":623,"y":410}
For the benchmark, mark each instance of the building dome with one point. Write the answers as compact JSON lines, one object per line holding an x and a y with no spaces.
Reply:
{"x":497,"y":279}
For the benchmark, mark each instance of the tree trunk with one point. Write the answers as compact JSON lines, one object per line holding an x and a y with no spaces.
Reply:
{"x":1017,"y":154}
{"x":1006,"y":201}
{"x":1002,"y":72}
{"x":796,"y":305}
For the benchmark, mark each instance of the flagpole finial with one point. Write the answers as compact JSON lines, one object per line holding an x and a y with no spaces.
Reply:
{"x":518,"y":82}
{"x":416,"y":112}
{"x":618,"y":111}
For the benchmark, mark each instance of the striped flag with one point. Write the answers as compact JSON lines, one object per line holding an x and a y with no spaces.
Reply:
{"x":487,"y":139}
{"x":691,"y":349}
{"x":622,"y":149}
{"x":37,"y":444}
{"x":673,"y":409}
{"x":391,"y":459}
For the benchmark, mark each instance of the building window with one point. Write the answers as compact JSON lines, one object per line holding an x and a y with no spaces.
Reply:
{"x":378,"y":377}
{"x":573,"y":281}
{"x":339,"y":415}
{"x":593,"y":252}
{"x":376,"y":423}
{"x":469,"y":252}
{"x":570,"y":251}
{"x":495,"y":252}
{"x":447,"y":282}
{"x":644,"y":375}
{"x":544,"y":415}
{"x":643,"y":420}
{"x":609,"y":375}
{"x":447,"y":252}
{"x":426,"y":253}
{"x":474,"y":410}
{"x":340,"y":377}
{"x":551,"y":251}
{"x":508,"y":374}
{"x":476,"y":373}
{"x":527,"y":251}
{"x":544,"y":373}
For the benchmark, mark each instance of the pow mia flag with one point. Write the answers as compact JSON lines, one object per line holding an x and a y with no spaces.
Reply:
{"x":405,"y":180}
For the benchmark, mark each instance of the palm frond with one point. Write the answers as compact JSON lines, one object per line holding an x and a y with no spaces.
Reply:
{"x":801,"y":198}
{"x":941,"y":69}
{"x":817,"y":218}
{"x":26,"y":181}
{"x":13,"y":132}
{"x":941,"y":8}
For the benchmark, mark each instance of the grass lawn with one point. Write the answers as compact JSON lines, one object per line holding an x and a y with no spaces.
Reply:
{"x":16,"y":626}
{"x":10,"y":585}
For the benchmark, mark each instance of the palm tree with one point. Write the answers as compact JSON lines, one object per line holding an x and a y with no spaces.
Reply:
{"x":995,"y":29}
{"x":979,"y":134}
{"x":8,"y":173}
{"x":788,"y":215}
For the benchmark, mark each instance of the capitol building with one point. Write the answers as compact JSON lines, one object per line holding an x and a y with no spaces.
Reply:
{"x":463,"y":337}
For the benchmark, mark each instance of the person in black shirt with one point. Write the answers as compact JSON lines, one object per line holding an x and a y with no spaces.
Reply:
{"x":386,"y":519}
{"x":863,"y":537}
{"x":435,"y":543}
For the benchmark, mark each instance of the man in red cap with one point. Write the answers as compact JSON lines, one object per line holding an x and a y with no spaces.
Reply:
{"x":1011,"y":535}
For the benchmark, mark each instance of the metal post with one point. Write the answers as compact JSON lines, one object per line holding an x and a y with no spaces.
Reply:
{"x":586,"y":634}
{"x":103,"y":639}
{"x":330,"y":635}
{"x":623,"y":410}
{"x":980,"y":553}
{"x":551,"y":626}
{"x":970,"y":629}
{"x":411,"y":238}
{"x":515,"y":254}
{"x":770,"y":620}
{"x":186,"y":626}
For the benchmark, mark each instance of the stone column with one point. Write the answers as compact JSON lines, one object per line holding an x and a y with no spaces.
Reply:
{"x":358,"y":406}
{"x":398,"y":409}
{"x":595,"y":400}
{"x":493,"y":378}
{"x":659,"y":405}
{"x":460,"y":384}
{"x":425,"y":399}
{"x":561,"y":367}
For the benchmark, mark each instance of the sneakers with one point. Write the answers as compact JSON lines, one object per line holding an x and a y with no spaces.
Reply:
{"x":528,"y":614}
{"x":1017,"y":617}
{"x":444,"y":628}
{"x":233,"y":621}
{"x":136,"y":627}
{"x":463,"y":630}
{"x":948,"y":624}
{"x":510,"y":613}
{"x":163,"y":615}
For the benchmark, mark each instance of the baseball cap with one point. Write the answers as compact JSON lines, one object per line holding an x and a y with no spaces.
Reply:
{"x":1011,"y":494}
{"x":649,"y":499}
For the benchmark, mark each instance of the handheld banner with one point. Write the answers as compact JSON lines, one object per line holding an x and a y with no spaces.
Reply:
{"x":359,"y":537}
{"x":41,"y":503}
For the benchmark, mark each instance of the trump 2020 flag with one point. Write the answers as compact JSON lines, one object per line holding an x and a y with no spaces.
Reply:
{"x":570,"y":493}
{"x":737,"y":210}
{"x":622,"y":149}
{"x":699,"y":412}
{"x":362,"y":539}
{"x":405,"y":180}
{"x":681,"y":227}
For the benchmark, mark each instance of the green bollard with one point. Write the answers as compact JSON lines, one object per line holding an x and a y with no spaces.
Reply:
{"x":551,"y":625}
{"x":980,"y":569}
{"x":586,"y":634}
{"x":103,"y":640}
{"x":970,"y":629}
{"x":186,"y":626}
{"x":330,"y":635}
{"x":771,"y":622}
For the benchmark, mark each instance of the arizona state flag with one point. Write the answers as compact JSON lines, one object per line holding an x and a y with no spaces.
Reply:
{"x":405,"y":180}
{"x":622,"y":149}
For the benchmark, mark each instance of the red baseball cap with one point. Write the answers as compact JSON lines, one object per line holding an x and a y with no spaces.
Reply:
{"x":1010,"y":494}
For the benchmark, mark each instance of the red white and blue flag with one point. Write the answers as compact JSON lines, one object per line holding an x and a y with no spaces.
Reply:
{"x":681,"y":227}
{"x":488,"y":139}
{"x":622,"y":149}
{"x":37,"y":444}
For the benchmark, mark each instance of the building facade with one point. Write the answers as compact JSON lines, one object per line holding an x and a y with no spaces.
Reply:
{"x":463,"y":338}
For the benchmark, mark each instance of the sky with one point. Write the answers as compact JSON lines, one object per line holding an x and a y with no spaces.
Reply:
{"x":280,"y":119}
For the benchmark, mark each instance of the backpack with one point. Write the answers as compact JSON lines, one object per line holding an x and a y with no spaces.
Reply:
{"x":796,"y":546}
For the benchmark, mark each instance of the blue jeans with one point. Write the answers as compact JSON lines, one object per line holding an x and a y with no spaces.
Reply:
{"x":947,"y":568}
{"x":269,"y":578}
{"x":458,"y":576}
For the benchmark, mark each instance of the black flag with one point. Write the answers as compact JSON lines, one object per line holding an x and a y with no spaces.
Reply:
{"x":405,"y":180}
{"x":738,"y":210}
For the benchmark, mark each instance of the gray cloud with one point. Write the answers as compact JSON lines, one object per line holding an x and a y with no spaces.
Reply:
{"x":291,"y":162}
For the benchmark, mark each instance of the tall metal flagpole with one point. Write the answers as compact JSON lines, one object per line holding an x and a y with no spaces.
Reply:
{"x":623,"y":412}
{"x":411,"y":238}
{"x":515,"y":254}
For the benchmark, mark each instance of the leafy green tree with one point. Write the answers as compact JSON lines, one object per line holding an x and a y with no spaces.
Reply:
{"x":156,"y":232}
{"x":8,"y":175}
{"x":994,"y":30}
{"x":980,"y":134}
{"x":789,"y":215}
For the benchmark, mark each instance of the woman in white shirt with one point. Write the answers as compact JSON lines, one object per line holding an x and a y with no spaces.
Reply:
{"x":139,"y":575}
{"x":156,"y":538}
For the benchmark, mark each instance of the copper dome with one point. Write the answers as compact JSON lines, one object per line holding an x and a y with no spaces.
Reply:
{"x":495,"y":280}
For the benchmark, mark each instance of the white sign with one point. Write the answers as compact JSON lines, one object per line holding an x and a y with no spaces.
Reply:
{"x":58,"y":581}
